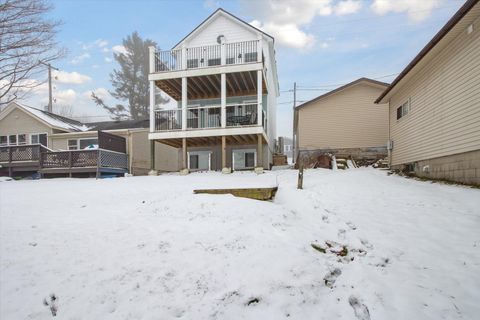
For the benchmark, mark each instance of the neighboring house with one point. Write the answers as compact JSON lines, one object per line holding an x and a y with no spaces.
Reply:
{"x":434,"y":104}
{"x":223,"y":77}
{"x":288,"y":147}
{"x":33,"y":140}
{"x":344,"y":121}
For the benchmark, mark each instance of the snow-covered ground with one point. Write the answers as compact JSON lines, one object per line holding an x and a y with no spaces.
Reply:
{"x":148,"y":248}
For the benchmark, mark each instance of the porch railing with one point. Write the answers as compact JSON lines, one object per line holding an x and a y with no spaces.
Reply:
{"x":20,"y":153}
{"x":204,"y":117}
{"x":207,"y":56}
{"x":168,"y":120}
{"x":242,"y":114}
{"x":83,"y":159}
{"x":237,"y":114}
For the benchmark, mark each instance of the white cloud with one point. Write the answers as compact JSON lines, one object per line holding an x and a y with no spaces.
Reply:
{"x":347,"y":7}
{"x":119,"y":49}
{"x":101,"y":43}
{"x":287,"y":34}
{"x":80,"y":58}
{"x":416,"y":10}
{"x":70,"y":77}
{"x":107,"y":59}
{"x":284,"y":19}
{"x":65,"y":97}
{"x":105,"y":49}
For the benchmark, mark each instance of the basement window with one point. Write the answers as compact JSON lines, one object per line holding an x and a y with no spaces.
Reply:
{"x":403,"y":110}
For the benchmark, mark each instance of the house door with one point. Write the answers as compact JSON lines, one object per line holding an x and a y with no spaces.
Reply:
{"x":199,"y":160}
{"x":244,"y":159}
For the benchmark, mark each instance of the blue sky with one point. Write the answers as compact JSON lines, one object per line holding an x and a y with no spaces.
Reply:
{"x":321,"y":44}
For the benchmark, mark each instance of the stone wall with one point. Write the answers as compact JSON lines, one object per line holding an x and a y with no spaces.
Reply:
{"x":462,"y":168}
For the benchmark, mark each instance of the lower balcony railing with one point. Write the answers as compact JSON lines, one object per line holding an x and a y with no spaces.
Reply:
{"x":237,"y":115}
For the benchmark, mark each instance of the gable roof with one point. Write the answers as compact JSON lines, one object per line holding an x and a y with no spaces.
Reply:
{"x":430,"y":45}
{"x":50,"y":119}
{"x":361,"y":80}
{"x":116,"y":125}
{"x":216,"y":13}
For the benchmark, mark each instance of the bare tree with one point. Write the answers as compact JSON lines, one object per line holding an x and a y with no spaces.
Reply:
{"x":27,"y":39}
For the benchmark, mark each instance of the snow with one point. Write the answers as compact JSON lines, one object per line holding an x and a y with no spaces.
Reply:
{"x":148,"y":248}
{"x":55,"y":122}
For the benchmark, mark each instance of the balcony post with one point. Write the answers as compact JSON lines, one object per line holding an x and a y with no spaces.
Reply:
{"x":151,"y":50}
{"x":184,"y":103}
{"x":259,"y":49}
{"x":223,"y":100}
{"x":223,"y":54}
{"x":184,"y":57}
{"x":259,"y":97}
{"x":152,"y":106}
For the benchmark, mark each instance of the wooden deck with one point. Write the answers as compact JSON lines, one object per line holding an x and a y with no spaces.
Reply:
{"x":37,"y":158}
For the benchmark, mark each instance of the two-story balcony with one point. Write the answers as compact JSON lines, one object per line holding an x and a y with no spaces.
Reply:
{"x":219,"y":90}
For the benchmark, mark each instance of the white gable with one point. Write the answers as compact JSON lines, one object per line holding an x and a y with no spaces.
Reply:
{"x":221,"y":24}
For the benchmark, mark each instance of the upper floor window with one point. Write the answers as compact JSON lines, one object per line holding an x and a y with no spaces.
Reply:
{"x":38,"y":138}
{"x":403,"y":110}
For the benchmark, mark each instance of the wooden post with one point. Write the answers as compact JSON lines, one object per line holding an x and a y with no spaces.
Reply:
{"x":300,"y":176}
{"x":224,"y":152}
{"x":97,"y":175}
{"x":152,"y":155}
{"x":259,"y":150}
{"x":184,"y":153}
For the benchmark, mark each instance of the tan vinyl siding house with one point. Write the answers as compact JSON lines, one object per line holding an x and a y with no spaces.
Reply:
{"x":348,"y":118}
{"x":439,"y":136}
{"x":19,"y":120}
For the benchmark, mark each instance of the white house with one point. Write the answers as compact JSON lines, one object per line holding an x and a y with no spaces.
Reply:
{"x":223,"y":77}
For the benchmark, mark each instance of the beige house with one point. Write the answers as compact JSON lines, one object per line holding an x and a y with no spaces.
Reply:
{"x":434,"y":104}
{"x":27,"y":134}
{"x":343,"y":121}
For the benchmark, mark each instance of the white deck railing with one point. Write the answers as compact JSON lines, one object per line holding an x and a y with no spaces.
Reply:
{"x":237,"y":115}
{"x":207,"y":56}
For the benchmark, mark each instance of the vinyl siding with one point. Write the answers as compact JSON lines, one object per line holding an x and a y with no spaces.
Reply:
{"x":347,"y":119}
{"x":445,"y":104}
{"x":19,"y":122}
{"x":233,"y":32}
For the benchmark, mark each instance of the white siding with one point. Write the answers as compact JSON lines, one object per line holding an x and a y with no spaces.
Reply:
{"x":233,"y":32}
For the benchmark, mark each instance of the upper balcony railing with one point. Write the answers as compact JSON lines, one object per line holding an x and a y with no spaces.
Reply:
{"x":206,"y":56}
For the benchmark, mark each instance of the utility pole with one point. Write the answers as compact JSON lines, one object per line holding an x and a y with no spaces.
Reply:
{"x":294,"y":138}
{"x":50,"y":94}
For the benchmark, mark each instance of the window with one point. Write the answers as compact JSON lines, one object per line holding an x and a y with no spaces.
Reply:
{"x":80,"y":144}
{"x":73,"y":144}
{"x":250,"y":57}
{"x":403,"y":110}
{"x":230,"y":61}
{"x":12,"y":140}
{"x":38,"y":138}
{"x":199,"y":160}
{"x":22,"y":139}
{"x":88,"y":143}
{"x":249,"y":159}
{"x":3,"y":140}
